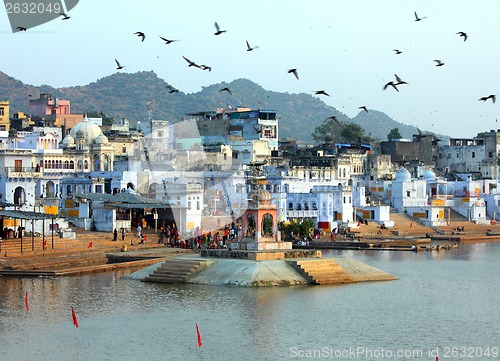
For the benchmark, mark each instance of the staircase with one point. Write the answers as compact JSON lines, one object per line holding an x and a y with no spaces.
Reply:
{"x":177,"y":270}
{"x":321,"y":271}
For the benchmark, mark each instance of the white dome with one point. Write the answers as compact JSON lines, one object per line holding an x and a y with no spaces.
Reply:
{"x":402,"y":175}
{"x":429,"y":175}
{"x":101,"y":139}
{"x":68,"y":140}
{"x":90,"y":131}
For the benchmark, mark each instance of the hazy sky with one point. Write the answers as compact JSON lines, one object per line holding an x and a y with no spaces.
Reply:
{"x":344,"y":47}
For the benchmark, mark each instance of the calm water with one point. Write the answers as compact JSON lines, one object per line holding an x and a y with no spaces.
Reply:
{"x":448,"y":300}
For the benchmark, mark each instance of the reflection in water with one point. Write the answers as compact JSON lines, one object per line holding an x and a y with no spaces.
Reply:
{"x":441,"y":299}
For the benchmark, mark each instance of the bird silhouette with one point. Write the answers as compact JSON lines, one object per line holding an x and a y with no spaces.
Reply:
{"x":249,"y":48}
{"x":140,"y":34}
{"x":167,"y":41}
{"x":321,"y":92}
{"x":461,"y":33}
{"x":397,"y":51}
{"x":227,"y":90}
{"x":65,"y":16}
{"x":417,"y":18}
{"x":21,"y":28}
{"x":438,"y":62}
{"x":118,"y":65}
{"x":171,"y":89}
{"x":294,"y":72}
{"x":491,"y":96}
{"x":334,"y":118}
{"x":364,"y":108}
{"x":191,"y":63}
{"x":257,"y":130}
{"x":218,"y":30}
{"x":399,"y":80}
{"x":205,"y":67}
{"x":391,"y":84}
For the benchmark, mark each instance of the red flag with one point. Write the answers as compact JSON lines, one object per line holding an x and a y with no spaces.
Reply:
{"x":90,"y":244}
{"x":437,"y":357}
{"x":199,"y":337}
{"x":75,"y":320}
{"x":26,"y":302}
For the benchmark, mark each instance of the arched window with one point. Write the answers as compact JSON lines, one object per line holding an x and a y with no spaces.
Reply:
{"x":71,"y":164}
{"x":79,"y":165}
{"x":66,"y":165}
{"x":97,"y":163}
{"x":267,"y":225}
{"x":106,"y":163}
{"x":86,"y":164}
{"x":290,"y":206}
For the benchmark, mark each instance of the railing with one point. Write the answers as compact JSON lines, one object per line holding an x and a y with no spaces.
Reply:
{"x":302,"y":214}
{"x":23,"y":172}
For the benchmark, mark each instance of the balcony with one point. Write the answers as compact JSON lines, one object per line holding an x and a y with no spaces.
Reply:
{"x":302,"y":214}
{"x":23,"y":172}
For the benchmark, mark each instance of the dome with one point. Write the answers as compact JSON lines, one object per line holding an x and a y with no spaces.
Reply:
{"x":89,"y":130}
{"x":263,"y":195}
{"x":402,"y":175}
{"x":429,"y":175}
{"x":101,"y":139}
{"x":68,"y":140}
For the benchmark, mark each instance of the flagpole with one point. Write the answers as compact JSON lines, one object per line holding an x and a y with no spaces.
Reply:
{"x":75,"y":322}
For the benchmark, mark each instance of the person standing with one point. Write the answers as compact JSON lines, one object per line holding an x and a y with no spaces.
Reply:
{"x":123,"y":234}
{"x":139,"y":231}
{"x":115,"y":235}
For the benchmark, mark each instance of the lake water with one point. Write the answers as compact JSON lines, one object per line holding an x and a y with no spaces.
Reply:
{"x":447,"y":300}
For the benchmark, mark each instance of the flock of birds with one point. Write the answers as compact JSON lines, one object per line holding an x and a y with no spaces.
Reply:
{"x":394,"y":84}
{"x":293,"y":71}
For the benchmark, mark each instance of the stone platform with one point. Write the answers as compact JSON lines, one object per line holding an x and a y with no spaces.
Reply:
{"x":261,"y":255}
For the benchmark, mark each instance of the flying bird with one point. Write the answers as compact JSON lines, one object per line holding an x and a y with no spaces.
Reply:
{"x":321,"y":92}
{"x":191,"y":63}
{"x":21,"y":28}
{"x":397,"y":51}
{"x":438,"y":62}
{"x":140,"y":34}
{"x":205,"y":67}
{"x":399,"y":80}
{"x":249,"y":48}
{"x":294,"y":72}
{"x":65,"y":16}
{"x":334,"y":118}
{"x":167,"y":41}
{"x":171,"y":89}
{"x":491,"y":96}
{"x":218,"y":30}
{"x":257,"y":130}
{"x":391,"y":83}
{"x":461,"y":33}
{"x":417,"y":18}
{"x":118,"y":65}
{"x":364,"y":108}
{"x":227,"y":90}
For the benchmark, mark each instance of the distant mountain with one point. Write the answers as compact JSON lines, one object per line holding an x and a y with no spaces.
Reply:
{"x":125,"y":95}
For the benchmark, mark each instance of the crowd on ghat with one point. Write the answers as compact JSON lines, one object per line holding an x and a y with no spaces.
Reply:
{"x":198,"y":239}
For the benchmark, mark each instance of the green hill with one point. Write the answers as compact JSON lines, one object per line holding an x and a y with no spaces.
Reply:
{"x":125,"y":95}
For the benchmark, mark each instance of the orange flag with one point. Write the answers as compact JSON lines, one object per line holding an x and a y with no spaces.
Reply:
{"x":199,"y":337}
{"x":75,"y":320}
{"x":26,"y":302}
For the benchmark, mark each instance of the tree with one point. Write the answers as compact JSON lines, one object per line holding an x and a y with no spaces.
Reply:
{"x":327,"y":132}
{"x":394,"y":134}
{"x":331,"y":131}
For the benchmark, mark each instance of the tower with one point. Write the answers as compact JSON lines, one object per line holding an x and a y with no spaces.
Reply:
{"x":259,"y":222}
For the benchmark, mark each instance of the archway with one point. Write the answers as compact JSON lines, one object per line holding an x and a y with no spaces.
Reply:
{"x":267,"y":225}
{"x":19,"y":196}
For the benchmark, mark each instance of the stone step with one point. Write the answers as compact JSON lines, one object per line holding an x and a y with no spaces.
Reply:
{"x":176,"y":270}
{"x":321,"y":271}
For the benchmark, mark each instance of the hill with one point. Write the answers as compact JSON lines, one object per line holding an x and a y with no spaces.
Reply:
{"x":125,"y":95}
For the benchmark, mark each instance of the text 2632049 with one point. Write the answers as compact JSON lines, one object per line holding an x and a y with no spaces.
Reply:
{"x":33,"y":8}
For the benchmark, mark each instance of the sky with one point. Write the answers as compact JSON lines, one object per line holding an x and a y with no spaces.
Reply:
{"x":343,"y":47}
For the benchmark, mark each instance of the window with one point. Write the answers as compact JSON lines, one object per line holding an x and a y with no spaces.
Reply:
{"x":124,"y":150}
{"x":160,"y":133}
{"x":2,"y":111}
{"x":473,"y":154}
{"x":408,"y":193}
{"x":189,"y":205}
{"x":197,"y":205}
